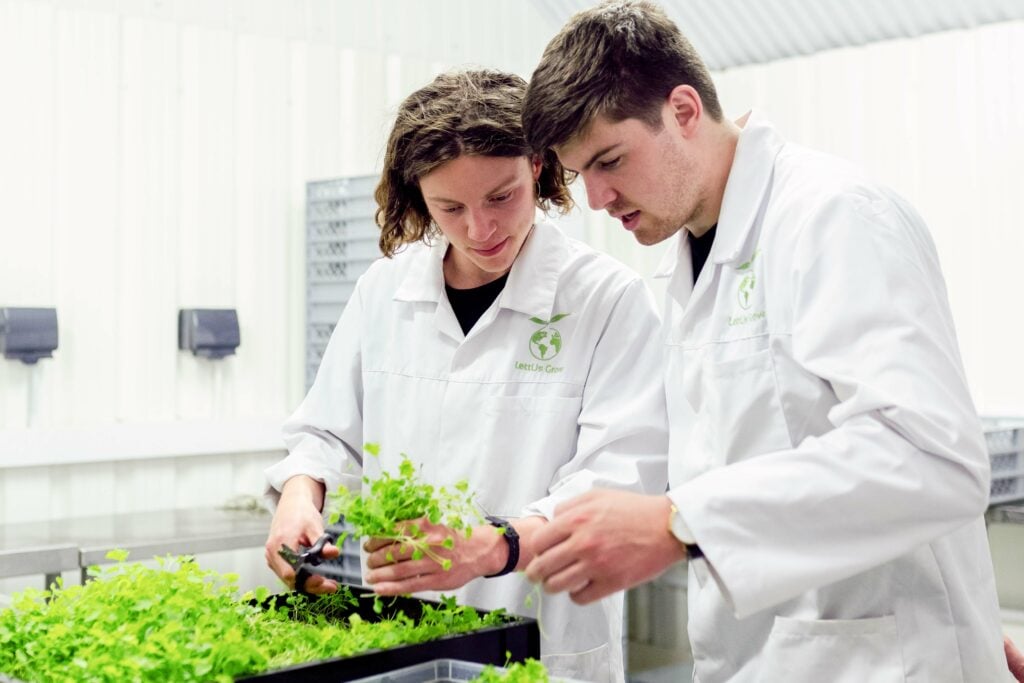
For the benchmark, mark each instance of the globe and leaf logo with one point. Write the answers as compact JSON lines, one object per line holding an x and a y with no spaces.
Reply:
{"x":747,"y":282}
{"x":546,"y":342}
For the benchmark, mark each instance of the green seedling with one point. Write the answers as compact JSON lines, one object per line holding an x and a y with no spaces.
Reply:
{"x":385,"y":506}
{"x":178,"y":622}
{"x":529,"y":671}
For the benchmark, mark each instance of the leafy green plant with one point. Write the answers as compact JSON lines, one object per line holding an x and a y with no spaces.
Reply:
{"x":384,"y":509}
{"x":177,"y":622}
{"x":530,"y":671}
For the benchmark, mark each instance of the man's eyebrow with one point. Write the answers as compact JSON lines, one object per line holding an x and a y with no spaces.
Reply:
{"x":598,"y":154}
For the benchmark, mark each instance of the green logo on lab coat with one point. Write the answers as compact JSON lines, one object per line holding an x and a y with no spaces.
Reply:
{"x":546,"y":342}
{"x":747,"y":282}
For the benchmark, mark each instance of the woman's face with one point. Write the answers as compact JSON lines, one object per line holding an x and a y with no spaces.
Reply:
{"x":485,"y":207}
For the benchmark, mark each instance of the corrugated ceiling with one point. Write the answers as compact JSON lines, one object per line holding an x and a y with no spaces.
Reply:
{"x":730,"y":33}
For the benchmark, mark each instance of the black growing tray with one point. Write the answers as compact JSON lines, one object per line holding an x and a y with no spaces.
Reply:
{"x":514,"y":641}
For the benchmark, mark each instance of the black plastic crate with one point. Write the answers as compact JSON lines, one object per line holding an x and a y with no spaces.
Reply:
{"x":514,"y":641}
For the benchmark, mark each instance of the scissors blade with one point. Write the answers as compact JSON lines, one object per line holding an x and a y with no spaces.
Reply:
{"x":290,"y":556}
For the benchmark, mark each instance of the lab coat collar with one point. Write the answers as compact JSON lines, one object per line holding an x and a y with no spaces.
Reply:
{"x":531,"y":282}
{"x":424,"y":281}
{"x":677,"y":246}
{"x":758,"y":146}
{"x":534,"y":276}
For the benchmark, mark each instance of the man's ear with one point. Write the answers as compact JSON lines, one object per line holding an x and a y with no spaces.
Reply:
{"x":686,"y":108}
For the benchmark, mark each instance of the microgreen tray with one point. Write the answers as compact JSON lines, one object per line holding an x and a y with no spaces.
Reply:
{"x":514,"y":641}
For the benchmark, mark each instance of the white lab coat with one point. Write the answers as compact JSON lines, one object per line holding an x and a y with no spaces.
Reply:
{"x":824,"y":449}
{"x":528,"y":429}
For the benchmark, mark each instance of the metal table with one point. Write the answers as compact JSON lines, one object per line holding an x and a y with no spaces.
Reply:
{"x":19,"y":559}
{"x":52,"y":546}
{"x":1005,"y":514}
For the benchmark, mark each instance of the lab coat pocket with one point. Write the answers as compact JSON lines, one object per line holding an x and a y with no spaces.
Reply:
{"x":589,"y":665}
{"x":742,"y":407}
{"x":834,"y":650}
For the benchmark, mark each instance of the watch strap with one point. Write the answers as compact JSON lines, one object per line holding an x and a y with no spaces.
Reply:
{"x":512,"y":538}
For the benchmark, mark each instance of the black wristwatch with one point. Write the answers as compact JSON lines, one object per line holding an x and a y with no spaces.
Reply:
{"x":512,"y":538}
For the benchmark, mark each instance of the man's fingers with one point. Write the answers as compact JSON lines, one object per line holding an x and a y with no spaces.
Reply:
{"x":572,"y":577}
{"x":591,"y":592}
{"x":573,"y":503}
{"x":551,"y":534}
{"x":550,"y":563}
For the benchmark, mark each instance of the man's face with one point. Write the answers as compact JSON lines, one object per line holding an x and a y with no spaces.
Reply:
{"x":646,"y":178}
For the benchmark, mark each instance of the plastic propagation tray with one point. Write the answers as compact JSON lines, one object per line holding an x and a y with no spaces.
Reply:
{"x":437,"y":671}
{"x":514,"y":641}
{"x":1004,"y":438}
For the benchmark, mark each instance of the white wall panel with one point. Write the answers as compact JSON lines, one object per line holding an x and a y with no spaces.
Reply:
{"x":939,"y":118}
{"x":85,"y":179}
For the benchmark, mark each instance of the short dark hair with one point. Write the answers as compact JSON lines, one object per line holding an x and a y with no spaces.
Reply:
{"x":619,"y":60}
{"x":472,"y":112}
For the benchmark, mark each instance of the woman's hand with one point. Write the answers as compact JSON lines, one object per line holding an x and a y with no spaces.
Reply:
{"x":394,"y":572}
{"x":297,"y":521}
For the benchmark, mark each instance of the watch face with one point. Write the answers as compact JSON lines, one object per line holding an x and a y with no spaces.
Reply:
{"x":679,"y":529}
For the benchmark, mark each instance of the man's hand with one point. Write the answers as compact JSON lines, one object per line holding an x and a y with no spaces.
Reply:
{"x":602,"y":542}
{"x":1014,"y":659}
{"x":394,"y":572}
{"x":297,"y":521}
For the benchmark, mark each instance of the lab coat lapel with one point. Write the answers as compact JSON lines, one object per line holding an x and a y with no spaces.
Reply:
{"x":534,"y":276}
{"x":677,"y":267}
{"x":746,"y":190}
{"x":424,"y":282}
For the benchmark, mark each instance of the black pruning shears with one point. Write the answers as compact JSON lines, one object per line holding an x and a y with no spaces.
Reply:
{"x":309,"y":560}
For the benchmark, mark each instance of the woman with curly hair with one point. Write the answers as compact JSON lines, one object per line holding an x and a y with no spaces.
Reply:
{"x":491,"y":348}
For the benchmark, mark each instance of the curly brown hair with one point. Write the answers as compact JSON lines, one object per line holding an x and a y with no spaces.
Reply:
{"x":472,"y":112}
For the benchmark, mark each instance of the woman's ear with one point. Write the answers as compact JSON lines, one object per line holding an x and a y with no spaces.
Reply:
{"x":538,"y":165}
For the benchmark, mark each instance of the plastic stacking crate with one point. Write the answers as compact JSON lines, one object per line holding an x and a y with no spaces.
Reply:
{"x":438,"y":671}
{"x":516,"y":640}
{"x":341,"y":244}
{"x":1004,"y":439}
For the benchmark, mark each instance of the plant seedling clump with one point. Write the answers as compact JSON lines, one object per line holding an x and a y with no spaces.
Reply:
{"x":387,"y":503}
{"x":178,"y":622}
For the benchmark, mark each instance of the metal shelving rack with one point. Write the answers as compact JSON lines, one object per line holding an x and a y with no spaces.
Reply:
{"x":1004,"y":438}
{"x":341,"y":243}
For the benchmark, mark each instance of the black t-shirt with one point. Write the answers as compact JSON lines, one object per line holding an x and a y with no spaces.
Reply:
{"x":700,"y":247}
{"x":470,"y":304}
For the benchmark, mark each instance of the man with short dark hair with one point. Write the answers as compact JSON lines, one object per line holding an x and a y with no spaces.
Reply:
{"x":828,"y":472}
